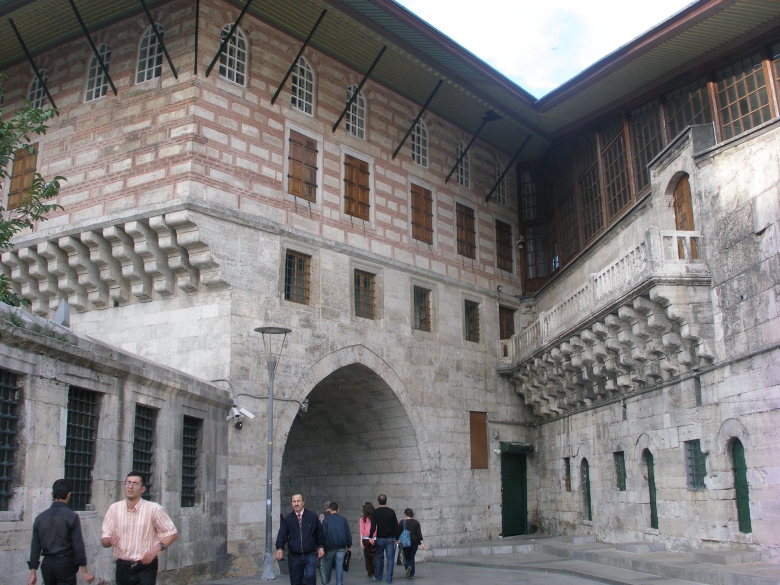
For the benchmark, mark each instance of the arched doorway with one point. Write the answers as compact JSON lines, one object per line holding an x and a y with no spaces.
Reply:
{"x":741,"y":486}
{"x":650,"y":462}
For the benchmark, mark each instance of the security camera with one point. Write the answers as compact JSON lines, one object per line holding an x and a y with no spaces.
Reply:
{"x":234,"y":413}
{"x":246,"y":413}
{"x":520,"y":242}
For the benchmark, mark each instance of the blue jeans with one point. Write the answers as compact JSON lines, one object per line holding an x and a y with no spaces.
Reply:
{"x":385,"y":547}
{"x":409,"y":552}
{"x":334,"y":555}
{"x":302,"y":568}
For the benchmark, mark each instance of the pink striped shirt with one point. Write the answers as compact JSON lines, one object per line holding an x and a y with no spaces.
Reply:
{"x":365,"y":527}
{"x":138,"y":529}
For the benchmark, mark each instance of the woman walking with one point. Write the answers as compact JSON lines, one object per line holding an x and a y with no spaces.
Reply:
{"x":368,"y":547}
{"x":416,"y":540}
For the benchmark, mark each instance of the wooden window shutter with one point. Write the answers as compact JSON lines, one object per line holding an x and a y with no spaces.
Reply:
{"x":504,"y":253}
{"x":479,"y":440}
{"x":506,"y":322}
{"x":22,"y":175}
{"x":466,"y":231}
{"x":356,"y":188}
{"x":422,"y":214}
{"x":302,"y":167}
{"x":683,"y":211}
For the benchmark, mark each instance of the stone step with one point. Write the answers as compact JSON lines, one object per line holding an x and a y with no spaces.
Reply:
{"x":640,"y":547}
{"x":581,"y":539}
{"x":728,"y":557}
{"x":490,"y":547}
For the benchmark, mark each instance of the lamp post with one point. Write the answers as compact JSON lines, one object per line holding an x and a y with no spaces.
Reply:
{"x":273,"y":353}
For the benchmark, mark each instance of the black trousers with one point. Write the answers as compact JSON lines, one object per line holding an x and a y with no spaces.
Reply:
{"x":59,"y":571}
{"x":137,"y":574}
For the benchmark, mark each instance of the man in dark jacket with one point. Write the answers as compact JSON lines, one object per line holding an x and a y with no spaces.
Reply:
{"x":384,"y":531}
{"x":338,"y":540}
{"x":302,"y":532}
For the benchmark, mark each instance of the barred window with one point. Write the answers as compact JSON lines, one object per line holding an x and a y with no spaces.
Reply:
{"x":504,"y":253}
{"x":464,"y":166}
{"x":9,"y":400}
{"x":22,"y":175}
{"x":303,"y":87}
{"x":501,"y":185}
{"x":80,"y":444}
{"x":232,"y":61}
{"x":356,"y":116}
{"x":567,"y":473}
{"x":302,"y":167}
{"x":696,"y":465}
{"x":506,"y":322}
{"x":37,"y":94}
{"x":356,"y":188}
{"x":647,"y":140}
{"x":615,"y":167}
{"x":364,"y":294}
{"x":466,"y":231}
{"x":420,"y":144}
{"x":743,"y":99}
{"x":536,"y":252}
{"x":297,"y":277}
{"x":620,"y":469}
{"x":688,"y":105}
{"x":143,"y":445}
{"x":472,"y":321}
{"x":588,"y":185}
{"x":422,"y":214}
{"x":422,"y":309}
{"x":191,"y":432}
{"x":97,"y":80}
{"x":150,"y":55}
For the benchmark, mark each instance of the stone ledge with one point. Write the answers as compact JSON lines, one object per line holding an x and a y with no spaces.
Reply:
{"x":727,"y":557}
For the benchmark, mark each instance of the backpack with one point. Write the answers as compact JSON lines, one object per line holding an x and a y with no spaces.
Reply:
{"x":406,"y":537}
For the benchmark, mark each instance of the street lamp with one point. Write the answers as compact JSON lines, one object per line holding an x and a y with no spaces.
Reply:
{"x":273,"y":353}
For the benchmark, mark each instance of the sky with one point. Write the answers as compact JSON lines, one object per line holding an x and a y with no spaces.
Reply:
{"x":541,"y":44}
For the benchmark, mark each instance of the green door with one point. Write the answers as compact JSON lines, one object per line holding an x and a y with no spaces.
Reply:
{"x":585,"y":477}
{"x":651,"y":485}
{"x":741,"y":487}
{"x":514,"y":495}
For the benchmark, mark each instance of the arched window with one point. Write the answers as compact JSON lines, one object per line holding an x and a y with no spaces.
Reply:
{"x":741,"y":486}
{"x":650,"y":462}
{"x":303,"y":87}
{"x":683,"y":216}
{"x":97,"y":81}
{"x":420,"y":144}
{"x":585,"y":477}
{"x":232,"y":61}
{"x":501,"y":187}
{"x":37,"y":94}
{"x":150,"y":55}
{"x":356,"y":116}
{"x":464,"y":167}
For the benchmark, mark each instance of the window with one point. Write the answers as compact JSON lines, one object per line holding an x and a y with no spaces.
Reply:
{"x":683,"y":216}
{"x":466,"y":231}
{"x":695,"y":464}
{"x":297,"y":278}
{"x":150,"y":55}
{"x":422,"y":309}
{"x":741,"y":487}
{"x":364,"y":294}
{"x":80,"y":444}
{"x":232,"y":61}
{"x":501,"y":185}
{"x":464,"y":167}
{"x":506,"y":322}
{"x":422,"y":214}
{"x":143,"y":444}
{"x":479,"y":440}
{"x":302,"y":167}
{"x":743,"y":99}
{"x":648,"y":457}
{"x":471,"y":329}
{"x":615,"y":167}
{"x":647,"y":140}
{"x":420,"y":144}
{"x":97,"y":80}
{"x":37,"y":94}
{"x":567,"y":474}
{"x":191,"y":431}
{"x":9,"y":399}
{"x":588,"y":185}
{"x":504,"y":253}
{"x":620,"y":469}
{"x":585,"y":477}
{"x":535,"y":246}
{"x":356,"y":116}
{"x":22,"y":175}
{"x":356,"y":188}
{"x":688,"y":105}
{"x":303,"y":87}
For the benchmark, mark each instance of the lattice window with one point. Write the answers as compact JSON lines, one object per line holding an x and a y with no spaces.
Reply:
{"x":97,"y":80}
{"x":464,"y":166}
{"x":297,"y":277}
{"x":504,"y":248}
{"x":501,"y":185}
{"x":303,"y":87}
{"x":191,"y":432}
{"x":536,"y":252}
{"x":232,"y":61}
{"x":688,"y":105}
{"x":356,"y":116}
{"x":22,"y":175}
{"x":356,"y":188}
{"x":589,"y":186}
{"x":422,"y":214}
{"x":696,"y":465}
{"x":143,"y":445}
{"x":80,"y":444}
{"x":37,"y":94}
{"x":472,"y":321}
{"x":467,"y":233}
{"x":9,"y":403}
{"x":647,"y":140}
{"x":615,"y":167}
{"x":302,"y":167}
{"x":422,"y":309}
{"x":364,"y":294}
{"x":420,"y":144}
{"x":506,"y":322}
{"x":150,"y":55}
{"x":567,"y":473}
{"x":743,"y":98}
{"x":620,"y":469}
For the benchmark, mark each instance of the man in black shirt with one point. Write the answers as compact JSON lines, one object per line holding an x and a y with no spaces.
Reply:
{"x":384,"y":533}
{"x":57,"y":534}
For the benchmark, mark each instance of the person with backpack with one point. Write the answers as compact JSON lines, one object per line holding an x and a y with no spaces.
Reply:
{"x":410,"y":539}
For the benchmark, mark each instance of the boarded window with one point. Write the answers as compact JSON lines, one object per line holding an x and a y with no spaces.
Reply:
{"x":471,"y":321}
{"x":688,"y":105}
{"x":9,"y":400}
{"x":22,"y":175}
{"x":696,"y":465}
{"x":191,"y":432}
{"x":364,"y":294}
{"x":504,"y":253}
{"x":302,"y":167}
{"x":479,"y":440}
{"x":422,"y":214}
{"x":466,"y":231}
{"x":506,"y":322}
{"x":646,"y":140}
{"x":80,"y":445}
{"x":743,"y":98}
{"x":422,"y":309}
{"x":613,"y":160}
{"x":143,"y":445}
{"x":356,"y":188}
{"x":588,"y":185}
{"x":297,"y":278}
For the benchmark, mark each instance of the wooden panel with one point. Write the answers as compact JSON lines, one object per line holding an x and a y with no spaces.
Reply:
{"x":22,"y":175}
{"x":466,"y":231}
{"x":422,"y":214}
{"x":302,"y":167}
{"x":479,"y":440}
{"x":356,"y":188}
{"x":506,"y":321}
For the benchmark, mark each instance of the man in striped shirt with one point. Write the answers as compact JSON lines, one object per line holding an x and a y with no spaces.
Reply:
{"x":138,"y":530}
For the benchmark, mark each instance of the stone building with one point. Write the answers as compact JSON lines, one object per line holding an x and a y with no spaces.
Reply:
{"x":512,"y":315}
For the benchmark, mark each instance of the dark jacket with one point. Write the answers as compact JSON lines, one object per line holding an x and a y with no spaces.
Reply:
{"x":384,"y":524}
{"x":337,"y":533}
{"x":413,"y":526}
{"x":302,"y":540}
{"x":57,"y":531}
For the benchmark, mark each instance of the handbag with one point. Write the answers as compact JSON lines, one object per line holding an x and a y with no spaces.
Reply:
{"x":406,"y":537}
{"x":347,"y":556}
